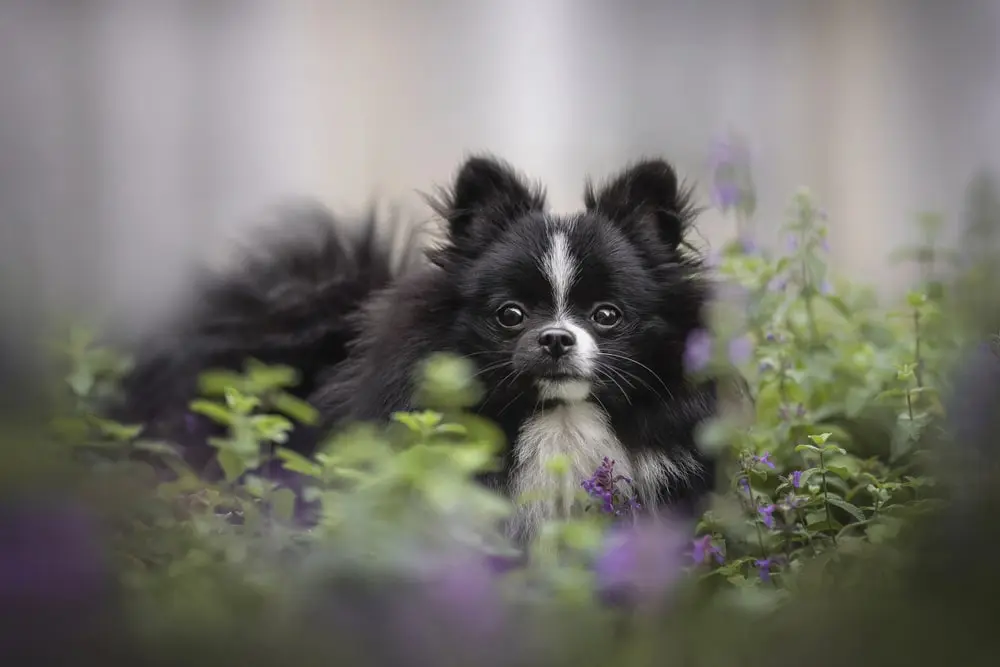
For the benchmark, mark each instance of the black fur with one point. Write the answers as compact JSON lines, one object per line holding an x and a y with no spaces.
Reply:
{"x":357,"y":331}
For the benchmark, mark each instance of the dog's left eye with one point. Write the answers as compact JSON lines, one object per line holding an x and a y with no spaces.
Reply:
{"x":606,"y":316}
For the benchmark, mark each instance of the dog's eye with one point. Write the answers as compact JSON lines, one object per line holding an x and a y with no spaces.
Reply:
{"x":510,"y":315}
{"x":606,"y":316}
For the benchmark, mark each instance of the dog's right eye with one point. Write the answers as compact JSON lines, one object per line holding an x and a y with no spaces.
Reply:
{"x":510,"y":316}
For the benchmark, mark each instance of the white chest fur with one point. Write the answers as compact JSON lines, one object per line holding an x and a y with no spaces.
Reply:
{"x":581,"y":434}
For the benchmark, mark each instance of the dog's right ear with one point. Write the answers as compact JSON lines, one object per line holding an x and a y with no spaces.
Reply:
{"x":486,"y":196}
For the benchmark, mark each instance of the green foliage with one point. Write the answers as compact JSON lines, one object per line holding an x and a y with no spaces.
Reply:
{"x":828,"y":473}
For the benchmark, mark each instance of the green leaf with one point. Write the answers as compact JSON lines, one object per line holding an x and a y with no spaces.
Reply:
{"x":271,"y":428}
{"x":916,"y":299}
{"x":216,"y":382}
{"x":115,"y":430}
{"x":713,"y":435}
{"x":239,"y":403}
{"x":807,"y":448}
{"x":157,"y":447}
{"x":283,"y":504}
{"x":820,"y":439}
{"x":297,"y":409}
{"x":840,"y":471}
{"x":890,"y":393}
{"x":265,"y":377}
{"x":214,"y":411}
{"x":847,"y":507}
{"x":81,"y":381}
{"x":232,"y":465}
{"x":451,"y":429}
{"x":295,"y":462}
{"x":856,"y":400}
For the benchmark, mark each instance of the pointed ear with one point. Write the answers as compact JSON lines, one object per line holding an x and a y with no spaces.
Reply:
{"x":645,"y":193}
{"x":487,"y":195}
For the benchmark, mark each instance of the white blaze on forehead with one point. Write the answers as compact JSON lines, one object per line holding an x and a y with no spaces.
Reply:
{"x":561,"y":270}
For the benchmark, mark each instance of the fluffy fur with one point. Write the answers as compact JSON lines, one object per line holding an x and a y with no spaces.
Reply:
{"x":577,"y":325}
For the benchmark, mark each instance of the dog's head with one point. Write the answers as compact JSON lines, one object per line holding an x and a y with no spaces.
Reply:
{"x":598,"y":303}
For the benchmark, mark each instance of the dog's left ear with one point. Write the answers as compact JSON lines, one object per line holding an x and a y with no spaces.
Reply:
{"x":486,"y":196}
{"x":645,"y":193}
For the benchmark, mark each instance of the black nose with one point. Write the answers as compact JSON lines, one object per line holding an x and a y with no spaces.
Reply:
{"x":556,"y":342}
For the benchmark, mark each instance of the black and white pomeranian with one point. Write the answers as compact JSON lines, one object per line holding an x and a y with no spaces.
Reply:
{"x":576,"y":324}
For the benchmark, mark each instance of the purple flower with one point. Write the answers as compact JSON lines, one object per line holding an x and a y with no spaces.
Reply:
{"x":793,"y":502}
{"x":748,"y":245}
{"x":726,"y":195}
{"x":740,"y":349}
{"x":49,"y":554}
{"x":793,"y":243}
{"x":465,"y":590}
{"x":767,"y":514}
{"x":640,"y":563}
{"x":731,"y":175}
{"x":745,"y":485}
{"x":764,"y":566}
{"x":698,"y":351}
{"x":765,"y":458}
{"x":603,"y":486}
{"x":796,"y":479}
{"x":826,"y":288}
{"x":702,"y":549}
{"x":824,"y":244}
{"x":765,"y":366}
{"x":784,"y":413}
{"x":777,"y":284}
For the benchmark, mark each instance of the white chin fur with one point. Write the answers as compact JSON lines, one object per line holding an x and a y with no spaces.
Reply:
{"x":573,"y":391}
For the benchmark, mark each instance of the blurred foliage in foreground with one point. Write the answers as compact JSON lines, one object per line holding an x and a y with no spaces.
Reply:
{"x":843,"y":530}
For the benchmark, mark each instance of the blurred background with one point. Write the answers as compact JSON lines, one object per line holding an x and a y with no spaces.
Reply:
{"x":138,"y":135}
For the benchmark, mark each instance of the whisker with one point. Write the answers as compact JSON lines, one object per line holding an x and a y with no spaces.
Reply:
{"x":615,"y":382}
{"x":640,"y":365}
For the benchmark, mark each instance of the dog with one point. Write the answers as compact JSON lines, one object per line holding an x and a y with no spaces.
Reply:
{"x":576,"y":325}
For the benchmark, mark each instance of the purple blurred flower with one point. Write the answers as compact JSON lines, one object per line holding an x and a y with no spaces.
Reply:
{"x":793,"y":243}
{"x":764,"y":566}
{"x":765,"y":459}
{"x":777,"y":284}
{"x":702,"y":549}
{"x":49,"y":554}
{"x":826,"y":288}
{"x":793,"y":502}
{"x":726,"y":195}
{"x":740,"y":349}
{"x":824,"y":244}
{"x":698,"y":351}
{"x":465,"y":591}
{"x":640,"y":563}
{"x":747,"y":244}
{"x":732,"y":182}
{"x":767,"y":514}
{"x":785,"y":413}
{"x":796,"y":479}
{"x":745,"y":485}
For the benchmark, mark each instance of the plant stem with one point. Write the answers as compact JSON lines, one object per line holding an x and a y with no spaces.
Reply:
{"x":826,"y":495}
{"x":918,"y":368}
